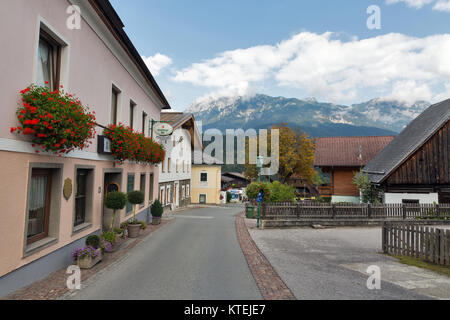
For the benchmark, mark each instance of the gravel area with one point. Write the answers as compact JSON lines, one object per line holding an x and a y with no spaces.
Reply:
{"x":332,"y":263}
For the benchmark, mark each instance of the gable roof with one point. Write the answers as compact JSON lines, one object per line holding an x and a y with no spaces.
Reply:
{"x":345,"y":151}
{"x":179,"y":120}
{"x":176,"y":119}
{"x":419,"y":131}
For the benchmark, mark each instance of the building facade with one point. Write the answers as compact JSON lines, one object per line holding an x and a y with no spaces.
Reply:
{"x":341,"y":158}
{"x":414,"y":167}
{"x":205,"y":179}
{"x":175,"y":170}
{"x":39,"y":225}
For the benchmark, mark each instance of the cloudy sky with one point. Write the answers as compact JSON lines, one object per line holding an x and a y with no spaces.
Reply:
{"x":293,"y":48}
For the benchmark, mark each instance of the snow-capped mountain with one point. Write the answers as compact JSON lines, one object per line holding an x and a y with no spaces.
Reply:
{"x":375,"y":117}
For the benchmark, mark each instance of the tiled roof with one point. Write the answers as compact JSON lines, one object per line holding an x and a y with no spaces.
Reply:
{"x":345,"y":151}
{"x":408,"y":141}
{"x":235,"y":174}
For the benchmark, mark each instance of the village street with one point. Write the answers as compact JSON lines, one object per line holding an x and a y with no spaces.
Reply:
{"x":196,"y":256}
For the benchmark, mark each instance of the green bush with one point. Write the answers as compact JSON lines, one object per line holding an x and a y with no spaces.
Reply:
{"x":281,"y":192}
{"x":254,"y":188}
{"x":143,"y":225}
{"x":229,"y":196}
{"x":157,"y":209}
{"x":109,"y":236}
{"x":116,"y":200}
{"x":93,"y":241}
{"x":136,"y":197}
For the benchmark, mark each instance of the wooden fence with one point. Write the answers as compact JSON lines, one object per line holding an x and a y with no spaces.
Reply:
{"x":348,"y":211}
{"x":424,"y":243}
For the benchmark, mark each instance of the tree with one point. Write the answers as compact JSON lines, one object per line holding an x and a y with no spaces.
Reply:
{"x":305,"y":161}
{"x":281,"y":192}
{"x":115,"y":200}
{"x":251,"y":172}
{"x":135,"y":197}
{"x":368,"y":192}
{"x":254,"y":188}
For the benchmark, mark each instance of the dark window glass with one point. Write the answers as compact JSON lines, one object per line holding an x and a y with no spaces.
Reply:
{"x":132,"y":107}
{"x":203,"y":177}
{"x":151,"y":188}
{"x":114,"y":102}
{"x":130,"y":187}
{"x":144,"y":121}
{"x":80,"y":196}
{"x":48,"y":66}
{"x":39,"y":205}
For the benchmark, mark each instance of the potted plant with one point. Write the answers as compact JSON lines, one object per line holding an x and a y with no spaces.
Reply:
{"x":116,"y":201}
{"x":157,"y":211}
{"x":87,"y":257}
{"x":134,"y":226}
{"x":111,"y":238}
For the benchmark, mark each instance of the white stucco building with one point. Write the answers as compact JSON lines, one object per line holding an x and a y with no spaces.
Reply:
{"x":175,"y":170}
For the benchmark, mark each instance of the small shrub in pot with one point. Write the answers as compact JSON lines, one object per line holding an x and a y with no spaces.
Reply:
{"x":135,"y":197}
{"x":157,"y":211}
{"x":116,"y":201}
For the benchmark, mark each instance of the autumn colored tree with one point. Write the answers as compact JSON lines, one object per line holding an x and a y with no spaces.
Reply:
{"x":296,"y":155}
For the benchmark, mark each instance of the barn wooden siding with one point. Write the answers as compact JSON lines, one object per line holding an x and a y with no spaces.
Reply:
{"x":427,"y":166}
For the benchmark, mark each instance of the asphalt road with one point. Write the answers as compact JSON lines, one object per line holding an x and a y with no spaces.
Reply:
{"x":332,"y":264}
{"x":195,"y":256}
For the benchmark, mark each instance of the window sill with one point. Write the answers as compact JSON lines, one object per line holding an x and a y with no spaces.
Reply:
{"x":39,"y":245}
{"x":81,"y":227}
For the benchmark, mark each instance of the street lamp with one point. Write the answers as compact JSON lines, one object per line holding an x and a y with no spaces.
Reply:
{"x":259,"y":164}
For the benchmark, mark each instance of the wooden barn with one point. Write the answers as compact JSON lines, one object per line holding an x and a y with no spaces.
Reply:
{"x":341,"y":158}
{"x":414,"y":167}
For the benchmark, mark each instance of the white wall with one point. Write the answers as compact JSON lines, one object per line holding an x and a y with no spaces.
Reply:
{"x":422,"y":197}
{"x":181,"y":151}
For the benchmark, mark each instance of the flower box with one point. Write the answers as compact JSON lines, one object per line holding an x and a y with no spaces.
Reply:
{"x":88,"y":262}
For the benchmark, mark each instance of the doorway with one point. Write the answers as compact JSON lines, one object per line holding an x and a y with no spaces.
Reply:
{"x":112,"y":181}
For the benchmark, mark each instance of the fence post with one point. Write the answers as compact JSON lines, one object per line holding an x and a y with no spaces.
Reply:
{"x":383,"y":237}
{"x":438,"y":211}
{"x":369,"y":211}
{"x":404,"y":211}
{"x":333,"y":210}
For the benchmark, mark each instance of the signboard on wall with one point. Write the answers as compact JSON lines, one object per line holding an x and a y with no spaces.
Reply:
{"x":104,"y":145}
{"x":163,"y":129}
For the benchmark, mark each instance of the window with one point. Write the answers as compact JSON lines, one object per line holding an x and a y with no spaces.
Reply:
{"x":130,"y":187}
{"x":177,"y":166}
{"x":161,"y":196}
{"x":39,"y":205}
{"x":49,"y":61}
{"x":410,"y":201}
{"x":132,"y":109}
{"x":167,"y":195}
{"x":150,"y":194}
{"x":114,"y":105}
{"x":142,"y":186}
{"x":183,"y":166}
{"x":187,"y":191}
{"x":202,"y":198}
{"x":144,"y":121}
{"x":183,"y":192}
{"x":168,"y":164}
{"x":203,"y":177}
{"x":81,"y":195}
{"x":162,"y":165}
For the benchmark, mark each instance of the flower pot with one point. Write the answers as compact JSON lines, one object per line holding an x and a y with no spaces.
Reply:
{"x":89,"y":262}
{"x":156,"y":220}
{"x":133,"y":230}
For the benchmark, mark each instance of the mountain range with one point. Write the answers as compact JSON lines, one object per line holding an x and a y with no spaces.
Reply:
{"x":318,"y":119}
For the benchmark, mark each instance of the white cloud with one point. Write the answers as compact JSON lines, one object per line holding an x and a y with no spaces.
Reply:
{"x":157,"y":62}
{"x":417,"y":4}
{"x":442,"y":5}
{"x":394,"y":65}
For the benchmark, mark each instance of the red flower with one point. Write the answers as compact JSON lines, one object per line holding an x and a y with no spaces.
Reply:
{"x":13,"y":129}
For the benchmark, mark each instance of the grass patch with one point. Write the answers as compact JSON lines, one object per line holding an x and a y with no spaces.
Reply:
{"x":410,"y":261}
